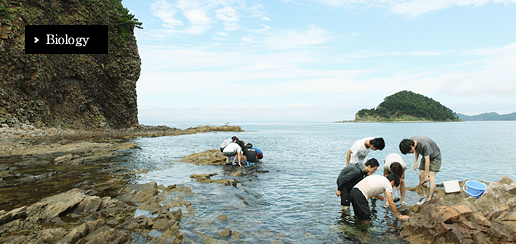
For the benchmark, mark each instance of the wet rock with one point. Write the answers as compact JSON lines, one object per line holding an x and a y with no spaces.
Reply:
{"x":210,"y":157}
{"x":51,"y":207}
{"x":106,"y":234}
{"x":89,"y":204}
{"x":222,"y":217}
{"x":139,"y":193}
{"x":167,"y":220}
{"x":226,"y":232}
{"x":141,"y":222}
{"x":205,"y":178}
{"x":458,"y":218}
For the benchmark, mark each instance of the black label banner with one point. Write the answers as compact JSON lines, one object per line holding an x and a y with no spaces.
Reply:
{"x":66,"y":39}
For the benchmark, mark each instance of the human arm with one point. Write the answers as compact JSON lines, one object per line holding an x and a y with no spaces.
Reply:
{"x":389,"y":199}
{"x":348,"y":155}
{"x":416,"y":160}
{"x":338,"y":193}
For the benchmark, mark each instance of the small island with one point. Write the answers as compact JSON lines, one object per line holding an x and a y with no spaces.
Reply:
{"x":406,"y":106}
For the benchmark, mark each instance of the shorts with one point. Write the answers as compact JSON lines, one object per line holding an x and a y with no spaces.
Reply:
{"x":229,"y":154}
{"x":345,"y":196}
{"x":360,"y":204}
{"x":434,"y":166}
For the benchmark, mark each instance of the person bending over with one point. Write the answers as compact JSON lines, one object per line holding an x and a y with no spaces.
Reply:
{"x":394,"y":164}
{"x":350,"y":176}
{"x":361,"y":148}
{"x":373,"y":186}
{"x":430,"y":162}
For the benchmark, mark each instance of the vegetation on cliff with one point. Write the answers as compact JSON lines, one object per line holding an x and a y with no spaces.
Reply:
{"x":77,"y":91}
{"x":406,"y":106}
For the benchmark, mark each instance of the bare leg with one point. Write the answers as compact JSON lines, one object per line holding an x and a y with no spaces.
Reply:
{"x":402,"y":190}
{"x":346,"y":207}
{"x":432,"y":184}
{"x":422,"y":178}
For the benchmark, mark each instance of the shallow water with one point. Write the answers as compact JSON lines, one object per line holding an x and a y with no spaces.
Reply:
{"x":294,"y":200}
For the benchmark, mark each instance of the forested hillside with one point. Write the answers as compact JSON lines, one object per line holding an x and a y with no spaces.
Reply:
{"x":407,"y":106}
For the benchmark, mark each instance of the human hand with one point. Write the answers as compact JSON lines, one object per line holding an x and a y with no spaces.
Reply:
{"x":338,"y":193}
{"x":403,"y":217}
{"x":415,"y":166}
{"x":380,"y":198}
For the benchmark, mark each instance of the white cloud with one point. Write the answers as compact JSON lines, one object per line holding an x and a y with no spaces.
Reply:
{"x":411,"y":8}
{"x":165,"y":12}
{"x":296,"y":38}
{"x":229,"y":18}
{"x":199,"y":21}
{"x":265,"y":18}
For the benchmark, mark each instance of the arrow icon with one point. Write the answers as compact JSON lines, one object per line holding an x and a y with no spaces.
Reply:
{"x":36,"y":39}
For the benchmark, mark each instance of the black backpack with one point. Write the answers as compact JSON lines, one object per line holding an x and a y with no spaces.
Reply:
{"x":251,"y":155}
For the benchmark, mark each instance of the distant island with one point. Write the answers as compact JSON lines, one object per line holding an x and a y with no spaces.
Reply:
{"x":488,"y":117}
{"x":406,"y":106}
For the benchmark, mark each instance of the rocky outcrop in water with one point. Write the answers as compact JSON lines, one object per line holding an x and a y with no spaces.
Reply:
{"x":68,"y":90}
{"x":78,"y":217}
{"x":458,"y":218}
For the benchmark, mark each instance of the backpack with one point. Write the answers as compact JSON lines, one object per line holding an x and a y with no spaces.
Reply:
{"x":251,"y":155}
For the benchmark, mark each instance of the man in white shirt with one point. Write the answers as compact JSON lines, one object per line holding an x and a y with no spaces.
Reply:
{"x":373,"y":186}
{"x":233,"y":149}
{"x":227,"y":142}
{"x":361,"y":148}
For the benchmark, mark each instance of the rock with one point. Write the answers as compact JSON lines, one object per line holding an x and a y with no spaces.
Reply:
{"x":222,"y":217}
{"x":226,"y":232}
{"x":164,"y":221}
{"x":89,"y":204}
{"x":107,"y":235}
{"x":205,"y":178}
{"x":51,"y":207}
{"x":139,"y":193}
{"x":210,"y":157}
{"x":139,"y":223}
{"x":459,"y":218}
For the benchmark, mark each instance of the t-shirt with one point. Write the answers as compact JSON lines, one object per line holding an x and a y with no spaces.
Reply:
{"x":226,"y":142}
{"x":427,"y":147}
{"x":359,"y":151}
{"x":394,"y":157}
{"x":373,"y":185}
{"x":232,"y":147}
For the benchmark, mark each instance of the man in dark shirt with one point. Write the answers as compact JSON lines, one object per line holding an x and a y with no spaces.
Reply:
{"x":351,"y":175}
{"x":430,"y":162}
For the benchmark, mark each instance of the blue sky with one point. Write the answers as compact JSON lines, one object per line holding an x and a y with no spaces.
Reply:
{"x":320,"y":60}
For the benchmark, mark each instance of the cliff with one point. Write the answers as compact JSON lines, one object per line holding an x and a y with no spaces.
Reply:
{"x":78,"y":91}
{"x":406,"y":106}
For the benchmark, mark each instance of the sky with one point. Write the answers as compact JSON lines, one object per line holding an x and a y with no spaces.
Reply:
{"x":320,"y":60}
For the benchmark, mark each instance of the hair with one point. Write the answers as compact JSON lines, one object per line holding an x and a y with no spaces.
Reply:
{"x":377,"y":143}
{"x":405,"y":146}
{"x":240,"y":143}
{"x":372,"y":162}
{"x":394,"y":177}
{"x":249,"y":145}
{"x":396,"y":168}
{"x":234,"y":138}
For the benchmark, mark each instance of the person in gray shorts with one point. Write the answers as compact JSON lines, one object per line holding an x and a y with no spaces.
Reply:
{"x":430,"y":162}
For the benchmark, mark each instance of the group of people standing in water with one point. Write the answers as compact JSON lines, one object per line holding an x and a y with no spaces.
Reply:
{"x":240,"y":152}
{"x":356,"y":182}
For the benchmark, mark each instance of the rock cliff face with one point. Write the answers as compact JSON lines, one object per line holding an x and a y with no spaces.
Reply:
{"x":78,"y":91}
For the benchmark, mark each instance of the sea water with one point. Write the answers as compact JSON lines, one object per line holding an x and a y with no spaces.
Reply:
{"x":290,"y":196}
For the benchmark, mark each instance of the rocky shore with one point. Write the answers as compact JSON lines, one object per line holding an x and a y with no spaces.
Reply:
{"x":62,"y":186}
{"x":66,"y":186}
